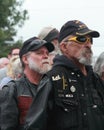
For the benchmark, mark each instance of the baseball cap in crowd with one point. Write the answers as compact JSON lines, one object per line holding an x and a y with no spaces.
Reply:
{"x":33,"y":44}
{"x":76,"y":27}
{"x":48,"y":34}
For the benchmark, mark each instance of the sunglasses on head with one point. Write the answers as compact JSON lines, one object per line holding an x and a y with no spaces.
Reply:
{"x":81,"y":39}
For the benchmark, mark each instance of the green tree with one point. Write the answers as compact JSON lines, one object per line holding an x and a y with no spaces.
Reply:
{"x":12,"y":16}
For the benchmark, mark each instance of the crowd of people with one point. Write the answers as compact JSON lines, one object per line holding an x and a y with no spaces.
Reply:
{"x":50,"y":84}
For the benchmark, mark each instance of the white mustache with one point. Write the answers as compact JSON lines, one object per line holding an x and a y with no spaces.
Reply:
{"x":45,"y":61}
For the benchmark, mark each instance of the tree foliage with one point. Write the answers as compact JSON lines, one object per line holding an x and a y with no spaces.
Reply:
{"x":12,"y":16}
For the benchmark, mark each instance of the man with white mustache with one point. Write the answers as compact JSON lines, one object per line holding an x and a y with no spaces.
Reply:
{"x":17,"y":95}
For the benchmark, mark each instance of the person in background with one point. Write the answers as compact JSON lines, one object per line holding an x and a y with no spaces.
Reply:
{"x":14,"y":52}
{"x":3,"y":67}
{"x":3,"y":62}
{"x":14,"y":71}
{"x":75,"y":100}
{"x":99,"y":66}
{"x":51,"y":34}
{"x":17,"y":96}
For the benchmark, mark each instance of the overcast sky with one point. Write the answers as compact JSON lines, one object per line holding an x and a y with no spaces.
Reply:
{"x":55,"y":13}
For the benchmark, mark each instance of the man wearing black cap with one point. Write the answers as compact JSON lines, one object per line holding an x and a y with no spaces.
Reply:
{"x":76,"y":100}
{"x":17,"y":96}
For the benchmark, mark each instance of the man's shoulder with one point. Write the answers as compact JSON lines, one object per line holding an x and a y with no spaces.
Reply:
{"x":12,"y":84}
{"x":57,"y":69}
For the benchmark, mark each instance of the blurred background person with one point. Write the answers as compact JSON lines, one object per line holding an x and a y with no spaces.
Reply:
{"x":3,"y":67}
{"x":14,"y":52}
{"x":51,"y":34}
{"x":99,"y":66}
{"x":14,"y":71}
{"x":3,"y":62}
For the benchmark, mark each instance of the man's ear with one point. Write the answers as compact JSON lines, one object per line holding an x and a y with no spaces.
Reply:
{"x":63,"y":47}
{"x":24,"y":59}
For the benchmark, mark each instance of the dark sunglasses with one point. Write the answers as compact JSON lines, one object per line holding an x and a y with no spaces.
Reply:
{"x":81,"y":39}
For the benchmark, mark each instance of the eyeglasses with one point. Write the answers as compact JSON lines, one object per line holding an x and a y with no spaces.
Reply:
{"x":80,"y":39}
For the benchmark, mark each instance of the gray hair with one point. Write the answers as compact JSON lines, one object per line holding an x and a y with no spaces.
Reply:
{"x":99,"y":64}
{"x":14,"y":67}
{"x":3,"y":61}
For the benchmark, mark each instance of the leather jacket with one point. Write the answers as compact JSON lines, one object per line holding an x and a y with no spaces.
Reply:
{"x":71,"y":101}
{"x":16,"y":98}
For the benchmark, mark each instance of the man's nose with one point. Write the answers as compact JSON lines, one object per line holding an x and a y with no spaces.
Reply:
{"x":88,"y":44}
{"x":46,"y":55}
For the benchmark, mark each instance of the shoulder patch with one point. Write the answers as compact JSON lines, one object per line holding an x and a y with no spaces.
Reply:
{"x":54,"y":78}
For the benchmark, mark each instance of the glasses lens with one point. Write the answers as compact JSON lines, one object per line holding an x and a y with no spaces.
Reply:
{"x":81,"y":39}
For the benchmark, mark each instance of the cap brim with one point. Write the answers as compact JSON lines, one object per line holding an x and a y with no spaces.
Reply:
{"x":92,"y":33}
{"x":49,"y":46}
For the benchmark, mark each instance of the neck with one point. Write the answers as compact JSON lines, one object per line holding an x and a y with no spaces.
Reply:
{"x":79,"y":65}
{"x":33,"y":76}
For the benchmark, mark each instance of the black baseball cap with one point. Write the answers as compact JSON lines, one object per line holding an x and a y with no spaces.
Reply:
{"x":76,"y":27}
{"x":33,"y":44}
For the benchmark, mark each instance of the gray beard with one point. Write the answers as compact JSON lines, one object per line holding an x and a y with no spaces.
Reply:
{"x":85,"y":61}
{"x":35,"y":67}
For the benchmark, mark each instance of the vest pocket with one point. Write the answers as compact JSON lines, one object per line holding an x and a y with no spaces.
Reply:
{"x":66,"y":113}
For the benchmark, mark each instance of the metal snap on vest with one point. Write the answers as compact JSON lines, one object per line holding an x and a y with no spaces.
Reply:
{"x":94,"y":106}
{"x":72,"y":89}
{"x":84,"y":114}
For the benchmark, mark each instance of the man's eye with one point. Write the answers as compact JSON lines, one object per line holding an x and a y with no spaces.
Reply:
{"x":39,"y":53}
